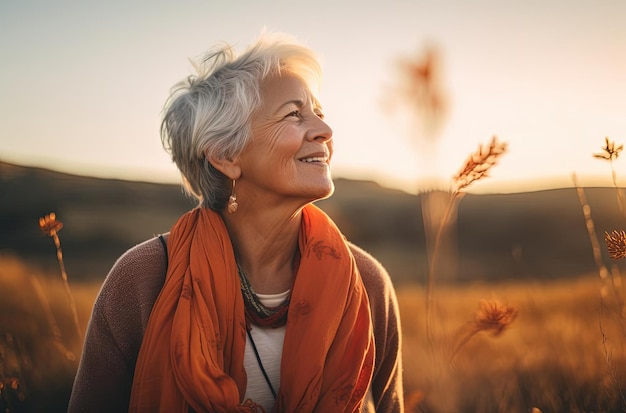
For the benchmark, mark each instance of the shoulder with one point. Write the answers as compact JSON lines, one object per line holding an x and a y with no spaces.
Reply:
{"x":133,"y":284}
{"x":380,"y":292}
{"x":145,"y":263}
{"x":147,"y":254}
{"x":374,"y":275}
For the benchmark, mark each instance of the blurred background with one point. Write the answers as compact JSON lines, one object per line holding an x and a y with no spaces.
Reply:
{"x":411,"y":89}
{"x":83,"y":82}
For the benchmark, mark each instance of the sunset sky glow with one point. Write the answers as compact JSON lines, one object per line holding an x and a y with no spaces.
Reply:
{"x":83,"y":82}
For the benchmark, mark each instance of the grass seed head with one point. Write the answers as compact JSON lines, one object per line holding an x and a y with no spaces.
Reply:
{"x":616,"y":244}
{"x":494,"y":316}
{"x":479,"y":163}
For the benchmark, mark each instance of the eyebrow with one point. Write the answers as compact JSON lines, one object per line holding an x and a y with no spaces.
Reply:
{"x":300,"y":104}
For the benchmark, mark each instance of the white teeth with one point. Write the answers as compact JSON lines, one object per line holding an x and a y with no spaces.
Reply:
{"x":316,"y":159}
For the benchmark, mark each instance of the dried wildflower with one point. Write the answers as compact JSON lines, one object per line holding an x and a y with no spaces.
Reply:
{"x":494,"y":316}
{"x":420,"y":86}
{"x":479,"y":163}
{"x":50,"y":225}
{"x":616,"y":244}
{"x":490,"y":316}
{"x":610,"y":152}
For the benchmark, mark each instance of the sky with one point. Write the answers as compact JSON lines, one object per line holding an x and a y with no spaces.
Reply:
{"x":83,"y":83}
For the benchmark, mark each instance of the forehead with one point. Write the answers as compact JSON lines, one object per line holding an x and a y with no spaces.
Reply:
{"x":277,"y":89}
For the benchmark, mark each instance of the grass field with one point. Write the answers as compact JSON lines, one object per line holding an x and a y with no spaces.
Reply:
{"x":551,"y":358}
{"x":39,"y":346}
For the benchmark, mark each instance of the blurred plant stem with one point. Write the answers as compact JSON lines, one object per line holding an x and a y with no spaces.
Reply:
{"x":608,"y":357}
{"x":610,"y":152}
{"x":66,"y":285}
{"x":434,"y":259}
{"x":476,"y":167}
{"x":607,"y":279}
{"x":51,"y":226}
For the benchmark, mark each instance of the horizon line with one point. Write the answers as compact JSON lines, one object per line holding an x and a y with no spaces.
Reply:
{"x":429,"y":185}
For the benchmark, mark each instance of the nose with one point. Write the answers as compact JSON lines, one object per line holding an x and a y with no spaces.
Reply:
{"x":320,"y":132}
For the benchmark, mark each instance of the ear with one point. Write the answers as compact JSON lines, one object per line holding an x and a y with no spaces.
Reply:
{"x":228,"y":166}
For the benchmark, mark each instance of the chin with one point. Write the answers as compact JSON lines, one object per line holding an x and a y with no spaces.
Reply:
{"x":327,"y":192}
{"x":314,"y":190}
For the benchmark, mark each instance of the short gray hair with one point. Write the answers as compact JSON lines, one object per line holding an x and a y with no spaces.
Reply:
{"x":209,"y":113}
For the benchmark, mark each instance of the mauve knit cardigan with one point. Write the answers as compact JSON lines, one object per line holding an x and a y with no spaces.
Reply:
{"x":122,"y":308}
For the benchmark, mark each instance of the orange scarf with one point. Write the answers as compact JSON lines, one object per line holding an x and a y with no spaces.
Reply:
{"x":193,"y":348}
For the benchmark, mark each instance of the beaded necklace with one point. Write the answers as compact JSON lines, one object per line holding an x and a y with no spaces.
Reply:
{"x":256,"y":312}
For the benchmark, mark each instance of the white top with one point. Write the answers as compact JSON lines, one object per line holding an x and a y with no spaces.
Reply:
{"x":269,"y":343}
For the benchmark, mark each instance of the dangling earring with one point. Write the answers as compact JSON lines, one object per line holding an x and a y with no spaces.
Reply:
{"x":232,"y":201}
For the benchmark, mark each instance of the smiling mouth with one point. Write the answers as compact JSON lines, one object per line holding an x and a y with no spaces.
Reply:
{"x":315,"y":159}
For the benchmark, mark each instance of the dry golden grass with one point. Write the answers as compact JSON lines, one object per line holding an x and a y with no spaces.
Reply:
{"x":39,"y":347}
{"x":551,"y":358}
{"x":524,"y":347}
{"x":564,"y":353}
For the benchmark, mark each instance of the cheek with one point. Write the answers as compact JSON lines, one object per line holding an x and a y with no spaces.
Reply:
{"x":268,"y":137}
{"x":284,"y":141}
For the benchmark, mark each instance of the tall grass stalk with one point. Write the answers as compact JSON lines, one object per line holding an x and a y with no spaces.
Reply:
{"x":421,"y":90}
{"x":617,"y":249}
{"x":608,"y":357}
{"x":610,"y":152}
{"x":476,"y":167}
{"x":603,"y":272}
{"x":51,"y":226}
{"x":607,"y":279}
{"x":614,"y":242}
{"x":433,"y":259}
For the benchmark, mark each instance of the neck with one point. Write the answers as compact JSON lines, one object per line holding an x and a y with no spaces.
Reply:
{"x":266,"y":248}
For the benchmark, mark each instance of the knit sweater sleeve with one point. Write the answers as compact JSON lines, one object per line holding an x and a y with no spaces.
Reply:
{"x":387,"y":387}
{"x":116,"y":327}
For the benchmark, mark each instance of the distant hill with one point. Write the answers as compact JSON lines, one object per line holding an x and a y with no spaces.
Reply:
{"x":534,"y":235}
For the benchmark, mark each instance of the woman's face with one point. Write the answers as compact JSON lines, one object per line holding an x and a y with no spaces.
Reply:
{"x":289,"y":154}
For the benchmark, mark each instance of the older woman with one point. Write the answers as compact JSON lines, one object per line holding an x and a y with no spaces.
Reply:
{"x":254,"y":301}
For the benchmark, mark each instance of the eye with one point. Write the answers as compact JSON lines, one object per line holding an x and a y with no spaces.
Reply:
{"x":319,"y":114}
{"x":295,"y":113}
